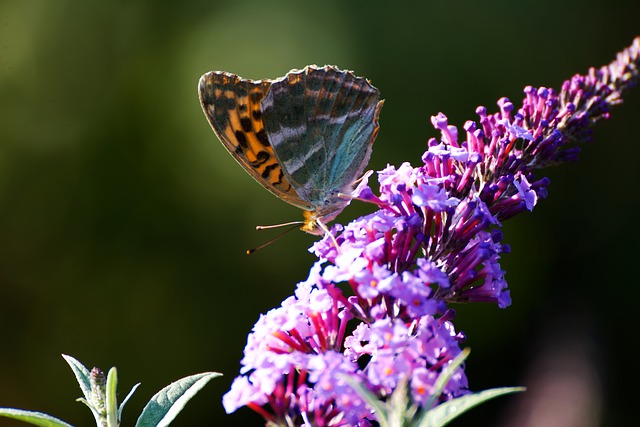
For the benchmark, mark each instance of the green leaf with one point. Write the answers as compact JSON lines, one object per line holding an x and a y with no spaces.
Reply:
{"x":445,"y":376}
{"x":126,"y":399}
{"x":379,"y":407}
{"x":83,"y":375}
{"x":31,"y":417}
{"x":112,"y":402}
{"x":168,"y":402}
{"x":442,"y":414}
{"x":399,"y":411}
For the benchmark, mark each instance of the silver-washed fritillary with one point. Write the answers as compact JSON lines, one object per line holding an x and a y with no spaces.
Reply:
{"x":306,"y":137}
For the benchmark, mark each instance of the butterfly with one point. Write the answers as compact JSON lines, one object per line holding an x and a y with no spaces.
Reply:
{"x":306,"y":137}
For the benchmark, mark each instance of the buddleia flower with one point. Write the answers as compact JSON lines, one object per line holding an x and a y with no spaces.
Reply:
{"x":377,"y":305}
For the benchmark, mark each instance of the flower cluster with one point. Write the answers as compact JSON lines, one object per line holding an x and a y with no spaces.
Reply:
{"x":376,"y":304}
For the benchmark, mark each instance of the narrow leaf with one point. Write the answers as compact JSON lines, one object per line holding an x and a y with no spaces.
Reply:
{"x":378,"y":406}
{"x":445,"y":376}
{"x":34,"y":418}
{"x":165,"y":405}
{"x":83,"y":376}
{"x":94,"y":411}
{"x":126,"y":399}
{"x":442,"y":414}
{"x":112,"y":402}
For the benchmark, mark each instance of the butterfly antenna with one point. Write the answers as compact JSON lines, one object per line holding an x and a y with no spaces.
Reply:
{"x":275,"y":239}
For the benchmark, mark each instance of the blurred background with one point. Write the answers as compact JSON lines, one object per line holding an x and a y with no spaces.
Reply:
{"x":123,"y":221}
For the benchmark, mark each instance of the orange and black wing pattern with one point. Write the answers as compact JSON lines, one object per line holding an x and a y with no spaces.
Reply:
{"x":232,"y":106}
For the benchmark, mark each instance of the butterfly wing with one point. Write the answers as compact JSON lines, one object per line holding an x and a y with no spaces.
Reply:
{"x":321,"y":124}
{"x":232,"y":106}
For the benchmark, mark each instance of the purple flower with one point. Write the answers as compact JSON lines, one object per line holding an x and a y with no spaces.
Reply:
{"x":433,"y":240}
{"x":325,"y":371}
{"x":243,"y":393}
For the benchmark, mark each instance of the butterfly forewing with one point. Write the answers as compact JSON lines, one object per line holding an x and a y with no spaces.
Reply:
{"x":321,"y":123}
{"x":232,"y":106}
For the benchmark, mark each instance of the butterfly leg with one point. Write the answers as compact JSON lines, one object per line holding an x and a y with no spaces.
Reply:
{"x":327,"y":231}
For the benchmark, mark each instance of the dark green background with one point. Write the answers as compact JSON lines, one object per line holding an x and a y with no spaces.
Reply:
{"x":123,"y":221}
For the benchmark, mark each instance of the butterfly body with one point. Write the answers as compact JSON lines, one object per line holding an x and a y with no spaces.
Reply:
{"x":306,"y":137}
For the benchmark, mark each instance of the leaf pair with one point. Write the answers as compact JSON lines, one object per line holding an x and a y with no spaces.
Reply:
{"x":398,"y":411}
{"x":100,"y":396}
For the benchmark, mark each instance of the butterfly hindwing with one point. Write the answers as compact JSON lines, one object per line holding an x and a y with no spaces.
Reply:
{"x":232,"y":106}
{"x":321,"y":123}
